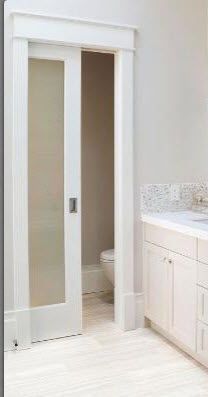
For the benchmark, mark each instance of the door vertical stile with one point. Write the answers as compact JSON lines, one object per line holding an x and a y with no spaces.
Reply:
{"x":73,"y":187}
{"x":20,"y":192}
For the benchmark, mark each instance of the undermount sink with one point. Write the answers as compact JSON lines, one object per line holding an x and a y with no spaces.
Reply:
{"x":205,"y":221}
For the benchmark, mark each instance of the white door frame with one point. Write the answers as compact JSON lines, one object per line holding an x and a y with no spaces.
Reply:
{"x":98,"y":36}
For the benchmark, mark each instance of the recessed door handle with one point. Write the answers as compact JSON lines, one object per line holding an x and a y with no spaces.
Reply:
{"x":73,"y":205}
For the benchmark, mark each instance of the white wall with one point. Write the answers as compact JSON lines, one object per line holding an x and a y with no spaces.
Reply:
{"x":171,"y":93}
{"x":171,"y":139}
{"x":97,"y":155}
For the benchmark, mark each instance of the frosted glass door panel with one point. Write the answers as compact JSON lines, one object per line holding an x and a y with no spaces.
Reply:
{"x":46,"y":181}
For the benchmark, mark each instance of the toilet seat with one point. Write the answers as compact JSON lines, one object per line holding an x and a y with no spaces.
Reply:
{"x":107,"y":256}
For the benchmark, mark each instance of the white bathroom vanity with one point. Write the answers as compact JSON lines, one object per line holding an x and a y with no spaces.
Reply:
{"x":175,"y":268}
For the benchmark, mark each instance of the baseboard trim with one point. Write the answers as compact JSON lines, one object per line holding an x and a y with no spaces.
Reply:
{"x":129,"y":312}
{"x":94,"y":280}
{"x":10,"y":330}
{"x":139,"y":310}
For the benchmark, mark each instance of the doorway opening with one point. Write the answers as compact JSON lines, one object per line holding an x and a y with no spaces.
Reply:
{"x":24,"y":320}
{"x":97,"y":158}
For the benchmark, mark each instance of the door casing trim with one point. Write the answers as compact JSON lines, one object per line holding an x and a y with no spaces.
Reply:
{"x":97,"y":36}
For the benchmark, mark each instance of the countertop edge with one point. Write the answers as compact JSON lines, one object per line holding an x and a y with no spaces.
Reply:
{"x":178,"y":227}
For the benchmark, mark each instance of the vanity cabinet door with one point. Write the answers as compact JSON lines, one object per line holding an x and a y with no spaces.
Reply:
{"x":202,"y":341}
{"x":203,"y":304}
{"x":156,"y":284}
{"x":182,"y":299}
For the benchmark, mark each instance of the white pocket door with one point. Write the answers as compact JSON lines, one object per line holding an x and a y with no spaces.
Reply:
{"x":54,"y":218}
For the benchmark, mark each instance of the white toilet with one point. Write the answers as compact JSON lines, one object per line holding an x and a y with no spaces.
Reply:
{"x":107,"y":262}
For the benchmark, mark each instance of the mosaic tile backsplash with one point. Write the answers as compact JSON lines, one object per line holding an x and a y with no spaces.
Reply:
{"x":159,"y":198}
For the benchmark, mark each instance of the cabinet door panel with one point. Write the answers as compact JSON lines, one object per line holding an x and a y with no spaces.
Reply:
{"x":156,"y":284}
{"x":203,"y":304}
{"x":202,"y":341}
{"x":183,"y":299}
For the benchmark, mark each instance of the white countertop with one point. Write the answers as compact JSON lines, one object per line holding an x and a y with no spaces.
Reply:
{"x":187,"y":222}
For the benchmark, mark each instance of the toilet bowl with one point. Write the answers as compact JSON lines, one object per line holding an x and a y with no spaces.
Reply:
{"x":107,"y":263}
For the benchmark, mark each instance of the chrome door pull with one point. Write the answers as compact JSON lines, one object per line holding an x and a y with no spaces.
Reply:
{"x":73,"y":205}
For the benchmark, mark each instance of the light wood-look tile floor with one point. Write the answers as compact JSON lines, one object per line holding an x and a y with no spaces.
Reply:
{"x":104,"y":361}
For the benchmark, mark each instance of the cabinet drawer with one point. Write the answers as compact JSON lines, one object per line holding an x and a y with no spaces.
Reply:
{"x":203,"y":275}
{"x":203,"y":251}
{"x":203,"y":304}
{"x":171,"y":240}
{"x":202,"y":341}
